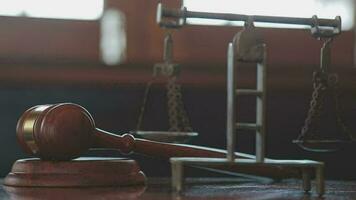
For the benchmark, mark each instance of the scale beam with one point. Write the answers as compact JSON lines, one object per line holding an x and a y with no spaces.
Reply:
{"x":183,"y":14}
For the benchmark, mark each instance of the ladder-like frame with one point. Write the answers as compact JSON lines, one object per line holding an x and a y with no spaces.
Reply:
{"x":260,"y":92}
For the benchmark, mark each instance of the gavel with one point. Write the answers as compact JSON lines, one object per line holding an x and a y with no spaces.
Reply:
{"x":65,"y":131}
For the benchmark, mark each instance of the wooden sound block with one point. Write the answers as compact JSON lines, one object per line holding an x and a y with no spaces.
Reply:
{"x":77,"y":193}
{"x":81,"y":172}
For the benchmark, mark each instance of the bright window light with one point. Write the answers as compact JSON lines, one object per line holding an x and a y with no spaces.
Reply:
{"x":58,"y":9}
{"x":289,"y":8}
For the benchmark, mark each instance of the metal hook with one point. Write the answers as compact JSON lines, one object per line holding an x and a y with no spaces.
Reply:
{"x":167,"y":67}
{"x":168,"y":48}
{"x":249,"y":23}
{"x":319,"y":32}
{"x":325,"y":55}
{"x":170,"y":23}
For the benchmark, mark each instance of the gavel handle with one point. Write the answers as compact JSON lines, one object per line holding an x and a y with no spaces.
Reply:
{"x":127,"y":143}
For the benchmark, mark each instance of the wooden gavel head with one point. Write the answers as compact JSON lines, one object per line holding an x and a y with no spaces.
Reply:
{"x":56,"y":132}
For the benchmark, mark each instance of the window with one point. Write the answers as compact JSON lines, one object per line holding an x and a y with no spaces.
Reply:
{"x":288,"y":8}
{"x":59,"y":9}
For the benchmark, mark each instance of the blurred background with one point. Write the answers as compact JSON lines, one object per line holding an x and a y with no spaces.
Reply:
{"x":100,"y":54}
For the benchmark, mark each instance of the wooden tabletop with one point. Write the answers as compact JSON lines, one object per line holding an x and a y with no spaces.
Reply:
{"x":196,"y":188}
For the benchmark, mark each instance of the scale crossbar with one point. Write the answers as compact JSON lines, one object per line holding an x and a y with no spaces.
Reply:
{"x":185,"y":14}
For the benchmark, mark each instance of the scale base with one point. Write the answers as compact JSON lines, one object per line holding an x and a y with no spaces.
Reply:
{"x":306,"y":168}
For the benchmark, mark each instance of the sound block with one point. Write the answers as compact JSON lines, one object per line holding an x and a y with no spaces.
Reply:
{"x":81,"y":172}
{"x":77,"y":193}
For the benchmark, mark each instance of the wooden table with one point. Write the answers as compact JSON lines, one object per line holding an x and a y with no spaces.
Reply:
{"x":196,"y":188}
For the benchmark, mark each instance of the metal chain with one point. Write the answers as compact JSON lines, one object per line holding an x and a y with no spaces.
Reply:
{"x":177,"y":115}
{"x":323,"y":82}
{"x":316,"y":104}
{"x":144,"y":103}
{"x":333,"y":79}
{"x":172,"y":105}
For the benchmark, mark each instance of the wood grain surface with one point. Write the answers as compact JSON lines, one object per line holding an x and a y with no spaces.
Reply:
{"x":204,"y":188}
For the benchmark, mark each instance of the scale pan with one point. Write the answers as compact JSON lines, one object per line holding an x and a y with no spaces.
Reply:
{"x":322,"y":146}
